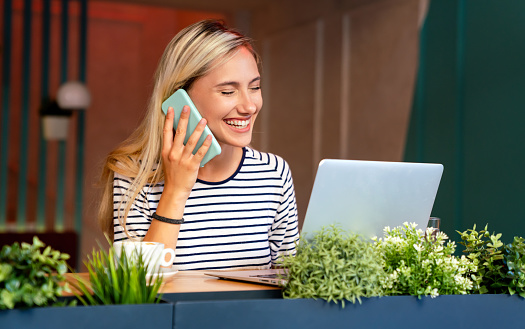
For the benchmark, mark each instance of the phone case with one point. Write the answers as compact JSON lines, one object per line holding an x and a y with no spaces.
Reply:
{"x":177,"y":100}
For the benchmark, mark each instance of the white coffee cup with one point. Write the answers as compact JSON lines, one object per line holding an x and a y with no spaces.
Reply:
{"x":153,"y":253}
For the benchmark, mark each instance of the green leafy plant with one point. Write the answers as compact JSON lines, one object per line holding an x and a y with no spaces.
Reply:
{"x":333,"y":266}
{"x":117,"y":280}
{"x":417,"y":265}
{"x":485,"y":251}
{"x":515,"y":262}
{"x":500,"y":268}
{"x":31,"y":277}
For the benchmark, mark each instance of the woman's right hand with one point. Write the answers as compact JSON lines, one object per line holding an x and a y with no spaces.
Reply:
{"x":180,"y":165}
{"x":180,"y":174}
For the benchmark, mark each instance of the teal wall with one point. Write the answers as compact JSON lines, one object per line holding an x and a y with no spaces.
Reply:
{"x":469,"y":113}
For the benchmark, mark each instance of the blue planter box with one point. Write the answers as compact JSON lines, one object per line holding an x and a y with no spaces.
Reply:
{"x":157,"y":316}
{"x":242,"y":311}
{"x":458,"y":311}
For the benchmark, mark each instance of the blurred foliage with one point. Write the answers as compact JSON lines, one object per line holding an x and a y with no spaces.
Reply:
{"x":31,"y":277}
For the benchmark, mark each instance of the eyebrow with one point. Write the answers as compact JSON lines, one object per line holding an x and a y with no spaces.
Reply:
{"x":235,"y":83}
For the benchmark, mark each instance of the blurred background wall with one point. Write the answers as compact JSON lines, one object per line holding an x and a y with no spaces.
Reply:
{"x":340,"y":80}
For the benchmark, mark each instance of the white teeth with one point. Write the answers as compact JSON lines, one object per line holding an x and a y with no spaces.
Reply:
{"x":238,"y":123}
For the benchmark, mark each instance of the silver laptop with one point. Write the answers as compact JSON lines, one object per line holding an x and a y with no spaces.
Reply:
{"x":362,"y":197}
{"x":365,"y":196}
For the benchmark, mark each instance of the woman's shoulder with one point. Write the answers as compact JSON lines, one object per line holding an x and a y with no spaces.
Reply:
{"x":265,"y":161}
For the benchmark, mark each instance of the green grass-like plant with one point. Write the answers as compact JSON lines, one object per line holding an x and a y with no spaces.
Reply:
{"x":333,"y":266}
{"x":31,"y":277}
{"x":117,"y":280}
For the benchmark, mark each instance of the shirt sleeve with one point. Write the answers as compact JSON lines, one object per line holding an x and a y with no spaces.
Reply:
{"x":284,"y":231}
{"x":138,"y":219}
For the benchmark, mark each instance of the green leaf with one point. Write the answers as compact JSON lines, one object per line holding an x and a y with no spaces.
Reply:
{"x":7,"y":299}
{"x":5,"y":271}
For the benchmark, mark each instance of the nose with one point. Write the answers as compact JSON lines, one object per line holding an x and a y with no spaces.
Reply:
{"x":247,"y":105}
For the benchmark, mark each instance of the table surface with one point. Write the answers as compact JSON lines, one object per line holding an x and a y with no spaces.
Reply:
{"x":194,"y":281}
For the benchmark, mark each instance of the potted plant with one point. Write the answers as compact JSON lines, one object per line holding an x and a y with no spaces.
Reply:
{"x":337,"y":266}
{"x":500,"y":268}
{"x":431,"y":287}
{"x":106,"y":307}
{"x":30,"y":277}
{"x":422,"y":264}
{"x":117,"y":280}
{"x":334,"y":266}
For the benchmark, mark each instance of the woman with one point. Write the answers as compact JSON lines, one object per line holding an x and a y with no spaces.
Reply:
{"x":239,"y":210}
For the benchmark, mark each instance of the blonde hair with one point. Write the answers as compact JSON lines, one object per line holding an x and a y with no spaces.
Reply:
{"x":191,"y":54}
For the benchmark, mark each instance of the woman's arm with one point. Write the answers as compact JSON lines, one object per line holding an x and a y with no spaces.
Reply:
{"x":180,"y":171}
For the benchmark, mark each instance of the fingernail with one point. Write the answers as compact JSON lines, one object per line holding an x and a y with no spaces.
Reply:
{"x":185,"y":109}
{"x":203,"y":121}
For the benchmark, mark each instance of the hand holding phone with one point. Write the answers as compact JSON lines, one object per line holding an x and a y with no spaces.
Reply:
{"x":177,"y":101}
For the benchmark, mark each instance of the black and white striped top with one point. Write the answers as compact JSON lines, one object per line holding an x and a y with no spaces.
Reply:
{"x":245,"y":221}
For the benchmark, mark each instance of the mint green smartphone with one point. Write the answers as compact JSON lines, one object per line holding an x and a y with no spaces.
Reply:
{"x":177,"y":100}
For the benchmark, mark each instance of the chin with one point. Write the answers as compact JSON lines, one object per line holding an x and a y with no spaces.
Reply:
{"x":235,"y":143}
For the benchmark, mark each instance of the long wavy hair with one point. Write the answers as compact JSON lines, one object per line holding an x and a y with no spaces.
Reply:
{"x":191,"y":54}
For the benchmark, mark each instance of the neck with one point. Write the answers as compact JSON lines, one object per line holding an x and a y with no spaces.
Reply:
{"x":223,"y":165}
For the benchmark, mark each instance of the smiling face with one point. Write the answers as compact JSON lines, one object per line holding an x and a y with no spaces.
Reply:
{"x":229,"y":97}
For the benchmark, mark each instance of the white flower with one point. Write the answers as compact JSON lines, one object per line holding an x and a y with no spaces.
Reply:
{"x":418,"y":247}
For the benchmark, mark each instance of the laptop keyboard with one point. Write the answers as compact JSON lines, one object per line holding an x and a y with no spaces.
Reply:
{"x":268,"y":276}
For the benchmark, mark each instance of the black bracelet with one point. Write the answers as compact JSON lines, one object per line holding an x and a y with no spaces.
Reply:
{"x":167,"y":220}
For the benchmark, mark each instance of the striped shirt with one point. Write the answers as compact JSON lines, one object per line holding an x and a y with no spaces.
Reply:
{"x":245,"y":221}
